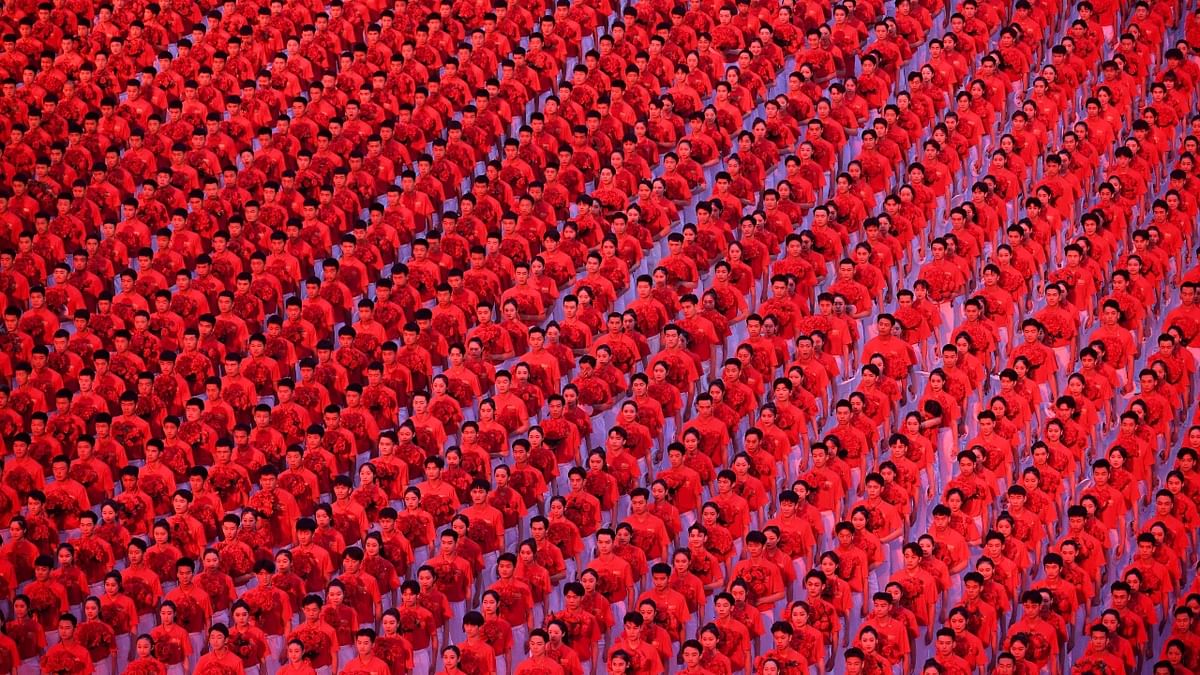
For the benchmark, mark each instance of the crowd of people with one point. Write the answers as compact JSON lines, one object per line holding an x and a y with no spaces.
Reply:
{"x":571,"y":338}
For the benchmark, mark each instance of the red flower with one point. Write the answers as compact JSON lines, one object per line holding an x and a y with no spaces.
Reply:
{"x":483,"y":534}
{"x":266,"y":503}
{"x":191,"y":615}
{"x":261,"y":602}
{"x":147,"y":666}
{"x":316,"y":643}
{"x":43,"y":601}
{"x":472,"y":663}
{"x":412,"y":525}
{"x":580,"y":512}
{"x":169,"y":651}
{"x":83,"y":473}
{"x":371,"y":499}
{"x":181,"y":534}
{"x":19,"y":480}
{"x":114,"y":615}
{"x":63,"y":662}
{"x":392,"y":649}
{"x":409,"y":623}
{"x":758,"y":579}
{"x":59,"y":504}
{"x":156,"y":487}
{"x":441,"y":508}
{"x":162,"y":561}
{"x":493,"y":632}
{"x":235,"y":561}
{"x":141,"y":593}
{"x":244,"y":647}
{"x":96,"y":636}
{"x":214,"y":668}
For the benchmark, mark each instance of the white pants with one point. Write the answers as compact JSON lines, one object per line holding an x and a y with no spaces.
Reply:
{"x":274,"y":651}
{"x":197,"y":640}
{"x":124,"y":645}
{"x":422,"y":659}
{"x":346,"y":654}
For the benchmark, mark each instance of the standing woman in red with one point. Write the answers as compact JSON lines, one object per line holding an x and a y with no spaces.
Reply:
{"x":26,"y":631}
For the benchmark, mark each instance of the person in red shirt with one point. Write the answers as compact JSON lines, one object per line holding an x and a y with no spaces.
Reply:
{"x":364,"y":661}
{"x":66,"y":651}
{"x":763,"y":577}
{"x":538,"y":662}
{"x":642,"y":656}
{"x":219,"y":658}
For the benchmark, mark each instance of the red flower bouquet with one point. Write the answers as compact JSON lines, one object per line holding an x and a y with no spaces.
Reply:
{"x":355,"y":592}
{"x":297,"y":487}
{"x":214,"y":668}
{"x":393,"y":649}
{"x":563,"y":536}
{"x":237,"y":397}
{"x":492,"y":440}
{"x":596,"y":484}
{"x":133,"y":509}
{"x":266,"y":503}
{"x":261,"y":603}
{"x":522,"y":482}
{"x":460,"y":479}
{"x":162,"y":560}
{"x":316,"y":643}
{"x":115,"y":616}
{"x":304,"y":564}
{"x":60,"y":504}
{"x":143,"y":596}
{"x":128,"y":434}
{"x":701,"y":566}
{"x":169,"y":651}
{"x":720,"y":542}
{"x":245,"y":648}
{"x":371,"y":499}
{"x":316,"y":463}
{"x":190,"y":614}
{"x":19,"y":481}
{"x":43,"y":603}
{"x":483,"y":534}
{"x":235,"y":561}
{"x":147,"y":666}
{"x":349,"y":526}
{"x":506,"y":500}
{"x":409,"y":623}
{"x":204,"y":512}
{"x":97,"y":637}
{"x":412,"y":526}
{"x":386,"y":474}
{"x":449,"y":578}
{"x":156,"y":487}
{"x":213,"y":585}
{"x":610,"y":584}
{"x":472,"y":663}
{"x":474,"y":466}
{"x":494,"y":632}
{"x":174,"y":459}
{"x":181,"y":534}
{"x":413,"y":455}
{"x":63,"y":662}
{"x":758,"y":579}
{"x":441,"y":508}
{"x":582,"y":513}
{"x":83,"y":473}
